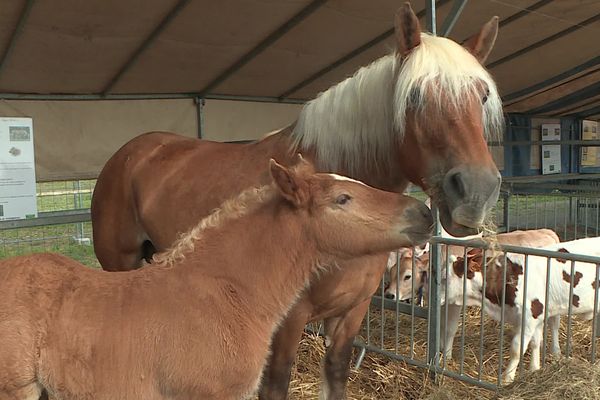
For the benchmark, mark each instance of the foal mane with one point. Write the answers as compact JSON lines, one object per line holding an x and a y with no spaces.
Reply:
{"x":359,"y":120}
{"x":236,"y":207}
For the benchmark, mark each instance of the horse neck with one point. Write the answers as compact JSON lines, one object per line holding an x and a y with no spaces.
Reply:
{"x":349,"y":128}
{"x":265,"y":256}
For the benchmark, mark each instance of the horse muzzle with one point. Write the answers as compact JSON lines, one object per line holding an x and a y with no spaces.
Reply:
{"x":468,"y":195}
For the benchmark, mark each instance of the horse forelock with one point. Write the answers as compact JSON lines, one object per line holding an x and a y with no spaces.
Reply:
{"x":358,"y":121}
{"x":236,"y":207}
{"x":446,"y":69}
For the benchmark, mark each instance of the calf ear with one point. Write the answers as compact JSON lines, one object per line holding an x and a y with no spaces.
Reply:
{"x":292,"y":186}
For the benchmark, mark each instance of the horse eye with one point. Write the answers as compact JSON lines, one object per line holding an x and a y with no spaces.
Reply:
{"x":485,"y":98}
{"x":343,"y":199}
{"x":407,"y":277}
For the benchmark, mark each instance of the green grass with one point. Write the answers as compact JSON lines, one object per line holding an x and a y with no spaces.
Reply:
{"x":54,"y":196}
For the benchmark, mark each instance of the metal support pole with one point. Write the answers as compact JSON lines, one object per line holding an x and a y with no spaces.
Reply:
{"x":430,"y":16}
{"x":433,"y":342}
{"x":200,"y":115}
{"x":450,"y":21}
{"x":506,"y":211}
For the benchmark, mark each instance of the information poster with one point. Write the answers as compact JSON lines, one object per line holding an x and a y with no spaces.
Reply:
{"x":590,"y":156}
{"x":17,"y":169}
{"x":551,"y":153}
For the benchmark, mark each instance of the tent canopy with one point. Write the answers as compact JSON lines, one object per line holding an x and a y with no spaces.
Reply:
{"x":546,"y":59}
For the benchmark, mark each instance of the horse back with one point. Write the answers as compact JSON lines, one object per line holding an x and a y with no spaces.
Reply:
{"x":161,"y":184}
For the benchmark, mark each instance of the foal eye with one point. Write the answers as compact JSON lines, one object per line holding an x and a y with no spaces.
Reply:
{"x":343,"y":199}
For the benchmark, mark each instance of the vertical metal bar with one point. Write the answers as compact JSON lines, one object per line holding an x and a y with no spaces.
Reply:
{"x":501,"y":347}
{"x":545,"y":212}
{"x":567,"y":214}
{"x":433,"y":343}
{"x":597,"y":214}
{"x":382,"y":325}
{"x":77,"y":205}
{"x":595,"y":320}
{"x":452,"y":17}
{"x":200,"y":115}
{"x":570,"y":313}
{"x":526,"y":212}
{"x":506,"y":210}
{"x":464,"y":312}
{"x":397,"y":300}
{"x":545,"y":333}
{"x":585,"y":217}
{"x":517,"y":211}
{"x":445,"y":333}
{"x":575,"y":215}
{"x":555,"y":209}
{"x":412,"y":307}
{"x":430,"y":16}
{"x":369,"y":326}
{"x":481,"y":322}
{"x":535,"y":211}
{"x":524,"y":313}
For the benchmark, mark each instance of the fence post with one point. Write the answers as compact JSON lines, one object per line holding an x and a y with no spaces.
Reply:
{"x":506,"y":211}
{"x":77,"y":204}
{"x":433,"y":341}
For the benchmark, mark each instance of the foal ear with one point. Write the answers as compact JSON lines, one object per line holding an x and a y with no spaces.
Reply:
{"x":481,"y":44}
{"x":291,"y":186}
{"x":408,"y":30}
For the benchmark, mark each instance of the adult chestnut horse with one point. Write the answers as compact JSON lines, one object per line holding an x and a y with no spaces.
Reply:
{"x":195,"y":325}
{"x":418,"y":115}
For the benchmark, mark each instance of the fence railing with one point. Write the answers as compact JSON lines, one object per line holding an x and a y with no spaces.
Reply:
{"x":407,"y":332}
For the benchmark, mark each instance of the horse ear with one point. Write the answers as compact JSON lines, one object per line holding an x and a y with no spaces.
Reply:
{"x":408,"y":30}
{"x":291,"y":186}
{"x":481,"y":44}
{"x":303,"y":166}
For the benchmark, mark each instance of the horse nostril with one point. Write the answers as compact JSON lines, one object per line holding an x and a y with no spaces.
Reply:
{"x":390,"y":296}
{"x":457,"y":184}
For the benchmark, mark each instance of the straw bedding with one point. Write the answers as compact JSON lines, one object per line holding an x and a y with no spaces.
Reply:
{"x":380,"y":377}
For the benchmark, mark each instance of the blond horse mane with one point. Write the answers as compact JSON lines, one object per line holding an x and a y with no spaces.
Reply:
{"x":236,"y":207}
{"x":358,"y":120}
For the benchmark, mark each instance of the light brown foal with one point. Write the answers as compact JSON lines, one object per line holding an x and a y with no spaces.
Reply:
{"x":419,"y":115}
{"x":194,"y":325}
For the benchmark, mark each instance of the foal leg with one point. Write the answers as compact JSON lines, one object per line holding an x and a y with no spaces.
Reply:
{"x":339,"y":336}
{"x":276,"y":374}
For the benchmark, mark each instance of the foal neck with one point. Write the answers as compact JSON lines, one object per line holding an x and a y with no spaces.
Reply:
{"x":266,"y":256}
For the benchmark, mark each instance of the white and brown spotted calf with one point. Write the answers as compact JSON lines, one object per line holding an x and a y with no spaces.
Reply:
{"x":533,"y":306}
{"x":400,"y":283}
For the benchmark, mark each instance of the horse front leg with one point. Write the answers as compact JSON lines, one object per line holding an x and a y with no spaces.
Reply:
{"x":276,"y":375}
{"x":339,"y":338}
